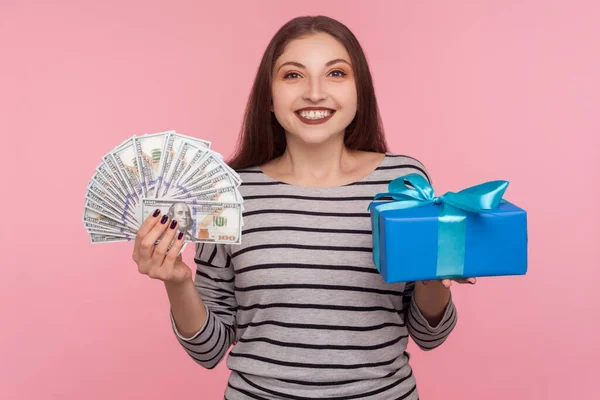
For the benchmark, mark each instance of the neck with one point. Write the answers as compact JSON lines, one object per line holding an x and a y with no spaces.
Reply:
{"x":323,"y":162}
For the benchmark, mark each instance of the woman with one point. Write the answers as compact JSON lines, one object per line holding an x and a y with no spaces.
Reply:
{"x":301,"y":299}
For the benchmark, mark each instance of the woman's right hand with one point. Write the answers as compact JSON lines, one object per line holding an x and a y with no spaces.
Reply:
{"x":158,"y":261}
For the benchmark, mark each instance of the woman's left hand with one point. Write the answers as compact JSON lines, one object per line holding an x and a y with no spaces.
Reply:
{"x":448,"y":282}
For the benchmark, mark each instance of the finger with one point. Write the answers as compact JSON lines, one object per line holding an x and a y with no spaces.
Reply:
{"x":466,"y":280}
{"x":144,"y":229}
{"x":149,"y":240}
{"x":447,"y":283}
{"x":162,"y":248}
{"x":173,"y":254}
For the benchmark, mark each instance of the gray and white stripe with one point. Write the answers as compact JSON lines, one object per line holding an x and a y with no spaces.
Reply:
{"x":309,"y":313}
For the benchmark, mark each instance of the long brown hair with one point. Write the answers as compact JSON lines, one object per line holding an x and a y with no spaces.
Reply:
{"x":262,"y":138}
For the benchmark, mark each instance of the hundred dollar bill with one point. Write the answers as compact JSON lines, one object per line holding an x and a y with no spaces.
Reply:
{"x":149,"y":150}
{"x":91,"y":216}
{"x":195,"y":141}
{"x":94,"y":203}
{"x":101,"y":238}
{"x":106,"y":204}
{"x":166,"y":160}
{"x":104,"y":172}
{"x":201,"y":221}
{"x":208,"y":163}
{"x":184,"y":156}
{"x":217,"y":178}
{"x":219,"y":158}
{"x":224,"y":194}
{"x":173,"y":143}
{"x":109,"y":190}
{"x":96,"y":189}
{"x":194,"y":164}
{"x":201,"y":178}
{"x":118,"y":178}
{"x":93,"y":228}
{"x":125,"y":158}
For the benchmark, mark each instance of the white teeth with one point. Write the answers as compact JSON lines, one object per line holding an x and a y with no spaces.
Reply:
{"x":315,"y":114}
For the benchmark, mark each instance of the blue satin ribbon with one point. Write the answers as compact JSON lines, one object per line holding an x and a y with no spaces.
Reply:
{"x":451,"y":219}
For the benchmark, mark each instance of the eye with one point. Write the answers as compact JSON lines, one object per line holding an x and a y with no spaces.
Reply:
{"x":338,"y":73}
{"x":291,"y":75}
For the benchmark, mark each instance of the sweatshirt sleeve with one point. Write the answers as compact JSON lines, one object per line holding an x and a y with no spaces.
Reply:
{"x":427,"y":337}
{"x":214,"y":281}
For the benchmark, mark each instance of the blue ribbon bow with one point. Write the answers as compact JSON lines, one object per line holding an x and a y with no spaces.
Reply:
{"x":451,"y":219}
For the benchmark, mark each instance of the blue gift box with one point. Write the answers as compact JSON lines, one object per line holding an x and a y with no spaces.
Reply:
{"x":472,"y":233}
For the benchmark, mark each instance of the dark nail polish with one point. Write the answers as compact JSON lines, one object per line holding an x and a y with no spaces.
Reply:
{"x":164,"y":219}
{"x":173,"y":224}
{"x":180,"y":235}
{"x":156,"y":213}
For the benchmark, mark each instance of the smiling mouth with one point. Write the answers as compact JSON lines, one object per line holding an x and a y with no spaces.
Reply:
{"x":317,"y":116}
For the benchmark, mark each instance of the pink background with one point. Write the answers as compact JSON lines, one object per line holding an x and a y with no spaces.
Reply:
{"x":476,"y":90}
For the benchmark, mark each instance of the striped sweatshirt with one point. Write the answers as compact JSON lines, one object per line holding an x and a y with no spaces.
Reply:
{"x":301,"y":301}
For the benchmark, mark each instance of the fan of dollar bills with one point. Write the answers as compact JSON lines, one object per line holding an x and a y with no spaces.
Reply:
{"x":178,"y":174}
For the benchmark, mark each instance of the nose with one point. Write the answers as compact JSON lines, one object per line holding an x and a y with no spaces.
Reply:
{"x":314,"y":90}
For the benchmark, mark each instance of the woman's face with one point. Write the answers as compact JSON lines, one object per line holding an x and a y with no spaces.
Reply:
{"x":313,"y":89}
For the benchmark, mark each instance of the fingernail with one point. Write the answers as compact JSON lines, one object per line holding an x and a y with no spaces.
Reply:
{"x":173,"y":224}
{"x":180,"y":235}
{"x":164,"y":219}
{"x":156,"y":213}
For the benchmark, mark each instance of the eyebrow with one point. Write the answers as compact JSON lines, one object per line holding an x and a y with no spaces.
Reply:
{"x":328,"y":64}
